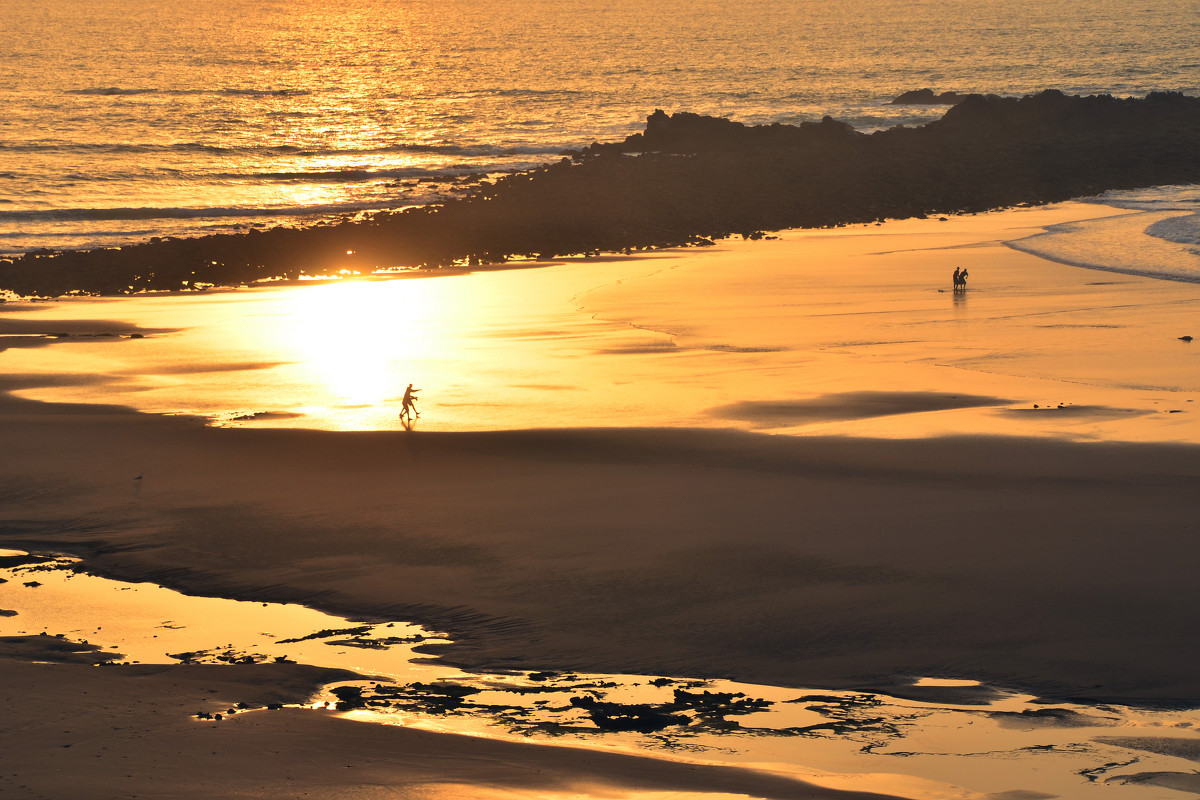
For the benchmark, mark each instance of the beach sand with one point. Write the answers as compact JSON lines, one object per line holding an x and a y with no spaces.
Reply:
{"x":914,"y":515}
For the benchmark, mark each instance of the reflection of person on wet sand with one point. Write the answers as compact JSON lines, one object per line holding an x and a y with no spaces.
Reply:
{"x":408,"y":406}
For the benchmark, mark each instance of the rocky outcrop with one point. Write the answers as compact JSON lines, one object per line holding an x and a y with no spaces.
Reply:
{"x":926,"y":97}
{"x":685,"y":132}
{"x":689,"y":178}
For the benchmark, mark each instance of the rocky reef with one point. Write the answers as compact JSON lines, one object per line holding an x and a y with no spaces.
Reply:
{"x":687,"y":179}
{"x":926,"y":97}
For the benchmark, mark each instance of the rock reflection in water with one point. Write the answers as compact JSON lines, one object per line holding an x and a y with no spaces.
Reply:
{"x":937,"y":735}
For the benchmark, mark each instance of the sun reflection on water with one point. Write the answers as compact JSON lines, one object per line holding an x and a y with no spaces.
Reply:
{"x":361,"y":340}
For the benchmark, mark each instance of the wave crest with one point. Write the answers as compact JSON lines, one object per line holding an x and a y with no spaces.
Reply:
{"x":198,"y":212}
{"x":118,"y":91}
{"x":447,"y":149}
{"x":1181,"y":230}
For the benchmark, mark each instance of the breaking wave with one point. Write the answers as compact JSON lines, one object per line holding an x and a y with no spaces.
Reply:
{"x":199,"y":212}
{"x":118,"y":91}
{"x":448,"y":149}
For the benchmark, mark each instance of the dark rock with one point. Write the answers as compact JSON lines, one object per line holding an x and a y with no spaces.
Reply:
{"x":349,"y":697}
{"x":715,"y":705}
{"x":642,"y":718}
{"x":926,"y":97}
{"x":687,"y":178}
{"x":23,"y":560}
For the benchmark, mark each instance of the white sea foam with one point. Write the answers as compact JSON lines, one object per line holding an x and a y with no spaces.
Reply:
{"x":1184,"y":197}
{"x":1183,"y":230}
{"x":1153,"y":232}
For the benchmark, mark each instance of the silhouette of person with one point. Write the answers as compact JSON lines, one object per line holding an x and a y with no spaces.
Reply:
{"x":962,"y":278}
{"x":408,"y":405}
{"x":957,"y":272}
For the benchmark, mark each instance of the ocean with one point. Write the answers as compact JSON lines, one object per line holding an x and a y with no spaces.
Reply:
{"x":126,"y":119}
{"x":1154,"y":232}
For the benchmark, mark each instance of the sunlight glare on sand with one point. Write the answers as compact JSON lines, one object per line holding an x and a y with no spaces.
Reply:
{"x":357,"y":338}
{"x":766,"y":336}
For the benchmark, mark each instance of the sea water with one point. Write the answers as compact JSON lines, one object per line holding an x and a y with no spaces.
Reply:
{"x":925,"y":744}
{"x":1152,"y":232}
{"x":126,"y":119}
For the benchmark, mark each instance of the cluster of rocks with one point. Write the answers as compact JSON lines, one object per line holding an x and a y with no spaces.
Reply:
{"x":431,"y":698}
{"x":689,"y":179}
{"x":701,"y":709}
{"x":217,"y":716}
{"x":927,"y":97}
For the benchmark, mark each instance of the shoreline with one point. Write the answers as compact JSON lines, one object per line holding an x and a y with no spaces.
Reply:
{"x":694,"y":179}
{"x":853,"y":332}
{"x":835,"y":739}
{"x":80,"y":720}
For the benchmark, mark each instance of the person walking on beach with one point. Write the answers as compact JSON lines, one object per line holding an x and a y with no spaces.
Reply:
{"x":962,"y":278}
{"x":957,"y":272}
{"x":408,"y":406}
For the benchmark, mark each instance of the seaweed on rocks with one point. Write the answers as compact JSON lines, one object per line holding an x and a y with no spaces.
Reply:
{"x":689,"y":179}
{"x":639,"y":717}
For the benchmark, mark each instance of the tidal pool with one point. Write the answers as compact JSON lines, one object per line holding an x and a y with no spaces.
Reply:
{"x":945,"y":738}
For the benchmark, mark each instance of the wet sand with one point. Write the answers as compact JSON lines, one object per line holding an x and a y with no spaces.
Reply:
{"x":89,"y":732}
{"x":921,"y":517}
{"x":1033,"y":564}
